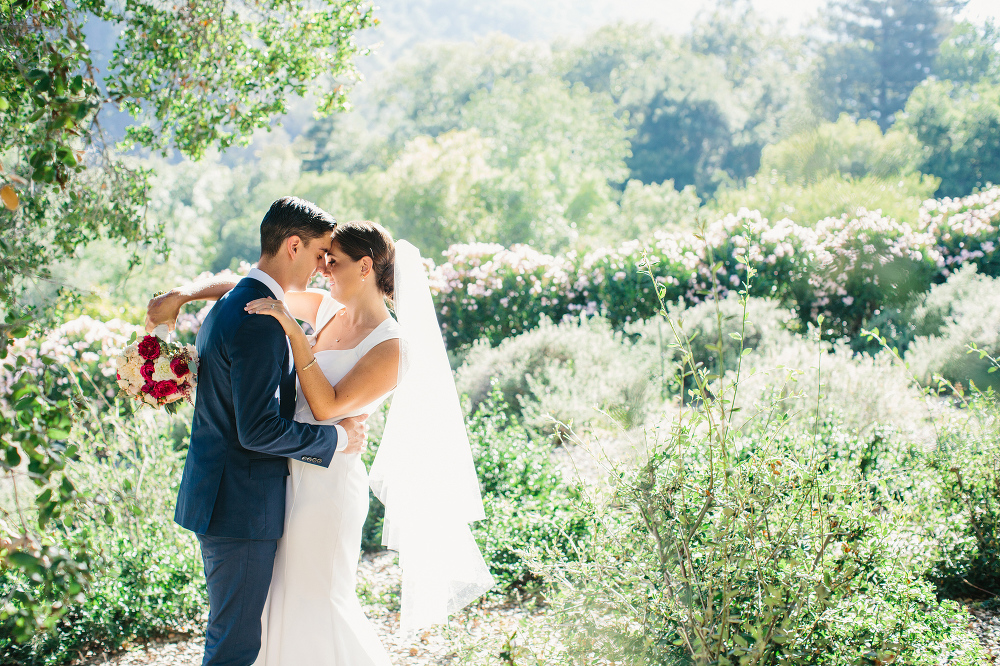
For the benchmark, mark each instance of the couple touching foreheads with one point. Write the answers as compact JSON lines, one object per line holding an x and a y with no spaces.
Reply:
{"x":274,"y":486}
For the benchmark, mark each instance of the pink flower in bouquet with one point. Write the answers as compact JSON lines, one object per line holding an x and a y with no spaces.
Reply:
{"x":163,"y":389}
{"x":147,"y":370}
{"x":179,"y":366}
{"x":149,"y":348}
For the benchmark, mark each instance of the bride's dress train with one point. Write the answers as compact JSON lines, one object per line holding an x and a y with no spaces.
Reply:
{"x":312,"y":616}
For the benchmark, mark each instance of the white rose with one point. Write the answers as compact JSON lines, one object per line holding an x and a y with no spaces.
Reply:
{"x":131,"y":373}
{"x":161,"y":370}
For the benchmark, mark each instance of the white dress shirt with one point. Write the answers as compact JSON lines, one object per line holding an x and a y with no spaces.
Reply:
{"x":269,"y":282}
{"x":279,"y":294}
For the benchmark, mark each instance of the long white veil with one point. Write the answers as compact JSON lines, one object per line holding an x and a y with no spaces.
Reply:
{"x":423,"y":472}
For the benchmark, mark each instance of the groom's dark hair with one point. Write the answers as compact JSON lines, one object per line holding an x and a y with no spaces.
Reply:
{"x":291,"y":216}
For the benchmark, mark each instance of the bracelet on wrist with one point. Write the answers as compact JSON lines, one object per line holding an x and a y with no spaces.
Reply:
{"x":309,"y":365}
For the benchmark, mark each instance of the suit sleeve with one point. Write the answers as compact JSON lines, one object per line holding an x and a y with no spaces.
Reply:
{"x":256,"y":353}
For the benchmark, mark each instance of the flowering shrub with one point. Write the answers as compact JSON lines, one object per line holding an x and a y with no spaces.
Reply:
{"x":846,"y":269}
{"x":87,"y":346}
{"x":964,"y":230}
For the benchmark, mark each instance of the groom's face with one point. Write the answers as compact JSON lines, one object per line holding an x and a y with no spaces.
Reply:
{"x":309,"y":258}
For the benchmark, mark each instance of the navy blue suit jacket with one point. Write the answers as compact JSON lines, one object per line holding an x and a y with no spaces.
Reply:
{"x":234,"y":477}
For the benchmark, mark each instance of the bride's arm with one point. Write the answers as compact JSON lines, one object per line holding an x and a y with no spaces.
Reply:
{"x":163,"y":309}
{"x":370,"y":379}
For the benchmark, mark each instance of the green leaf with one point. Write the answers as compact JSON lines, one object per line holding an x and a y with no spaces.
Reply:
{"x":23,"y":560}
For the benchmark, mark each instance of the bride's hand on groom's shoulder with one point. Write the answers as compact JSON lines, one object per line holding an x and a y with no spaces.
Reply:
{"x":275,"y":308}
{"x":163,"y":309}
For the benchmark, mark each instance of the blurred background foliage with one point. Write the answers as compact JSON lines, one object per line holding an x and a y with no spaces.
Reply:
{"x":575,"y":144}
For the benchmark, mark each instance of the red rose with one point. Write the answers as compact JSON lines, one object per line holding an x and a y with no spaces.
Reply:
{"x":147,"y":371}
{"x":149,"y":348}
{"x":163,"y":389}
{"x":148,"y":386}
{"x":179,"y":366}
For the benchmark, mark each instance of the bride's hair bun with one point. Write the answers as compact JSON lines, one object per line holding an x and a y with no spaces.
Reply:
{"x":369,"y":239}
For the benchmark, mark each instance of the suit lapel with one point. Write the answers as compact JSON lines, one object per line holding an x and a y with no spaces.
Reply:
{"x":286,"y":389}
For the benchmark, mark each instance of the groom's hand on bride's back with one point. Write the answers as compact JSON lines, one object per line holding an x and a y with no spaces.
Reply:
{"x":356,"y":428}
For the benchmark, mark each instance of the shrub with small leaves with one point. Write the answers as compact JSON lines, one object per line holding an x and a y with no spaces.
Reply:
{"x":532,"y":511}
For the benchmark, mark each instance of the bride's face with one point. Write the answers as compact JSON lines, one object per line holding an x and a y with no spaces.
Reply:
{"x":344,"y":274}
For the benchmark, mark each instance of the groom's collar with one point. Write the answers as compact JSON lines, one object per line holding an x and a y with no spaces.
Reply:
{"x":268,"y":281}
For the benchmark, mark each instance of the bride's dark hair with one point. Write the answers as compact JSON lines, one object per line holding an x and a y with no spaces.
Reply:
{"x":360,"y":239}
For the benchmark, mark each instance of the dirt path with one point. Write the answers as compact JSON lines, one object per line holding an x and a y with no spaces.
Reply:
{"x":985,"y":622}
{"x":467,"y":639}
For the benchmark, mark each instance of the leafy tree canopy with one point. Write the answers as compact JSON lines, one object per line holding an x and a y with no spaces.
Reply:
{"x":193,"y":74}
{"x":845,"y":148}
{"x":958,"y":128}
{"x":878,"y":51}
{"x":970,"y":54}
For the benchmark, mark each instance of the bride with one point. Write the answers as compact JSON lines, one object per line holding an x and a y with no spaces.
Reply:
{"x":423,"y":471}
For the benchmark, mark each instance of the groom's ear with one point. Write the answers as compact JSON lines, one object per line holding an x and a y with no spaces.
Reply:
{"x":293,"y":245}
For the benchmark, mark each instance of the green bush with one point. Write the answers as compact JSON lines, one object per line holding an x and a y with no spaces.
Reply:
{"x":963,"y":310}
{"x":830,"y":196}
{"x":647,"y":208}
{"x":533,"y":513}
{"x":761,"y":542}
{"x":147,"y":575}
{"x":847,"y":148}
{"x":968,"y":465}
{"x":564,"y":371}
{"x":765,"y":328}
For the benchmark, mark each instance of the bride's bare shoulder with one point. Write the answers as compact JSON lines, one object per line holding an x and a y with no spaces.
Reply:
{"x":305,"y":305}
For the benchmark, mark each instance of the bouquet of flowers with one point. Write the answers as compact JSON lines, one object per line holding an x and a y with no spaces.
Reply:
{"x":155,"y":372}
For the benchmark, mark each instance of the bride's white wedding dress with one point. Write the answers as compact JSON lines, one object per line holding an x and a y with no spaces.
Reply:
{"x":312,"y":616}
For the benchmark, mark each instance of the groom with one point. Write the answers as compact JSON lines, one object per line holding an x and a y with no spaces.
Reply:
{"x":232,"y":493}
